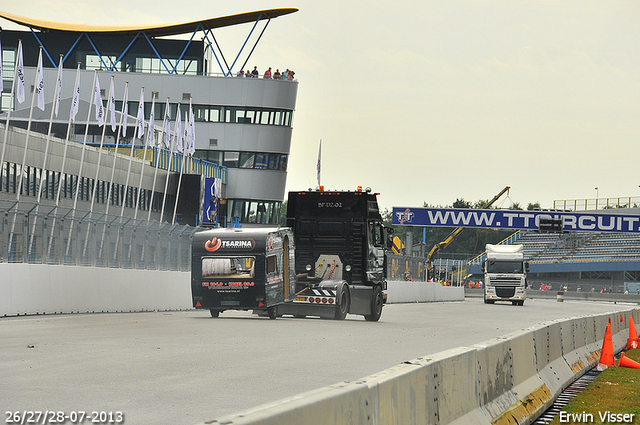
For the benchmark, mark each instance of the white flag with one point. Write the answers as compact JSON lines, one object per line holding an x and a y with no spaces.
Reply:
{"x":97,"y":101}
{"x":152,"y":121}
{"x":75,"y":101}
{"x":112,"y":106}
{"x":1,"y":68}
{"x":20,"y":75}
{"x":166,"y":127}
{"x":192,"y":131}
{"x":187,"y":134}
{"x":179,"y":146}
{"x":318,"y":165}
{"x":140,"y":117}
{"x":56,"y":102}
{"x":125,"y":110}
{"x":40,"y":83}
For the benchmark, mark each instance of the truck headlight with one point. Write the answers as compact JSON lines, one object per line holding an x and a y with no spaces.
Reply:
{"x":308,"y":267}
{"x":347,"y":267}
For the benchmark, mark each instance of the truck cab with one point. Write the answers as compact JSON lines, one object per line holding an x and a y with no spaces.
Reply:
{"x":505,"y":274}
{"x":340,"y":251}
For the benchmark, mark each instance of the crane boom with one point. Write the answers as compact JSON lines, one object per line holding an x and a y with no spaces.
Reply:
{"x":454,"y":234}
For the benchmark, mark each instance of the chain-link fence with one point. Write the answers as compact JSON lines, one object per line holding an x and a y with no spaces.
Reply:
{"x":38,"y":234}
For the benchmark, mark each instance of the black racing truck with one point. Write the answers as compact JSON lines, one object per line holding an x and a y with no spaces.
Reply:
{"x":340,"y":254}
{"x":328,"y":262}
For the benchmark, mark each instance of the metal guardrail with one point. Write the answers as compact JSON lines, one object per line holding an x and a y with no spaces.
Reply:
{"x":404,"y":267}
{"x":61,"y":236}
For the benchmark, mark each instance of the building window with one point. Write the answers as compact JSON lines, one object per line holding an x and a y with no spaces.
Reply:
{"x":231,"y":159}
{"x":247,"y":159}
{"x":253,"y":212}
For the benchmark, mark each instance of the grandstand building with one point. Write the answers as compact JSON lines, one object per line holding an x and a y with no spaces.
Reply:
{"x":243,"y":126}
{"x":584,"y":261}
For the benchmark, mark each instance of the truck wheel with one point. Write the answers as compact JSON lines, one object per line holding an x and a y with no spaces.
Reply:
{"x":272,"y":312}
{"x":343,"y":305}
{"x":214,"y":313}
{"x":376,"y":305}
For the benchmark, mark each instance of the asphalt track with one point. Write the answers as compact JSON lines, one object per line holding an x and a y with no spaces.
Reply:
{"x":185,"y":367}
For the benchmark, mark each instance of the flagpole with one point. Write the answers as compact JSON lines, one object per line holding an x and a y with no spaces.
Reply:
{"x":174,"y":146}
{"x":184,"y":148}
{"x":38,"y":88}
{"x":192,"y":136}
{"x":104,"y":130}
{"x":122,"y":130}
{"x":319,"y":161}
{"x":84,"y":148}
{"x":163,"y":139}
{"x":75,"y":100}
{"x":150,"y":140}
{"x":123,"y":126}
{"x":95,"y":180}
{"x":175,"y":205}
{"x":54,"y":105}
{"x":135,"y":135}
{"x":6,"y":126}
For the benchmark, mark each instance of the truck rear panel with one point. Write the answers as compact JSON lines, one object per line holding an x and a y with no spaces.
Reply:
{"x":241,"y":269}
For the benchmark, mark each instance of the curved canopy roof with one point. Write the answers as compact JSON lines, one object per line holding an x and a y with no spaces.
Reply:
{"x":150,"y":30}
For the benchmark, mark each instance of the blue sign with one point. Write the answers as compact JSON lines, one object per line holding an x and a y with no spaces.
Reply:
{"x":210,"y":204}
{"x":514,"y":219}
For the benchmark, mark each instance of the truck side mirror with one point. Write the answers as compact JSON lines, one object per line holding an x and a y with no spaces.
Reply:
{"x":389,"y":233}
{"x":482,"y":267}
{"x":526,"y":266}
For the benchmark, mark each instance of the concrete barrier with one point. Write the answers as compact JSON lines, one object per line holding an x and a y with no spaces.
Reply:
{"x":508,"y":380}
{"x":574,"y":296}
{"x":45,"y":289}
{"x":410,"y":292}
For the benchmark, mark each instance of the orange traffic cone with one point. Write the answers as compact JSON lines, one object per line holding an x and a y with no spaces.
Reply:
{"x":632,"y":341}
{"x":626,"y":362}
{"x":606,"y":357}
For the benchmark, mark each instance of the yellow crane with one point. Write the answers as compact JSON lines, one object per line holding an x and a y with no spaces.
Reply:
{"x":454,"y":234}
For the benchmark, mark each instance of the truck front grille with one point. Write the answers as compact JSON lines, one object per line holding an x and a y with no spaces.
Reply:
{"x":504,"y":281}
{"x":505,"y":291}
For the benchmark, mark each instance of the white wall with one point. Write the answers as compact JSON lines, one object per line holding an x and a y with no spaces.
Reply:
{"x":45,"y":289}
{"x":40,"y":289}
{"x":411,"y":292}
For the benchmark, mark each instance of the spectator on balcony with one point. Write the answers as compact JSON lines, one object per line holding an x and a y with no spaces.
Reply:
{"x":276,"y":75}
{"x":255,"y":72}
{"x":267,"y":73}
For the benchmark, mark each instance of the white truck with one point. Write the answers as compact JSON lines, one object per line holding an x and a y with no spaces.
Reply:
{"x":505,"y":274}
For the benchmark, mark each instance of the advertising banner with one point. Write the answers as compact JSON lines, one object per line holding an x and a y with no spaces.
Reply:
{"x":210,"y":204}
{"x":514,"y":219}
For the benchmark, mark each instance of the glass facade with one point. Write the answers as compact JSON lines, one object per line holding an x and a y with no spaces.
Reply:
{"x":254,"y":212}
{"x":247,"y":160}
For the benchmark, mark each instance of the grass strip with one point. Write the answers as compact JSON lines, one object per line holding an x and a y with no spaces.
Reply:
{"x":612,"y":398}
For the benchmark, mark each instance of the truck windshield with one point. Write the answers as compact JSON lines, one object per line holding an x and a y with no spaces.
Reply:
{"x":232,"y":267}
{"x":504,"y":266}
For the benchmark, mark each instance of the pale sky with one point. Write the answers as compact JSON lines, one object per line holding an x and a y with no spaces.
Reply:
{"x":429,"y":101}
